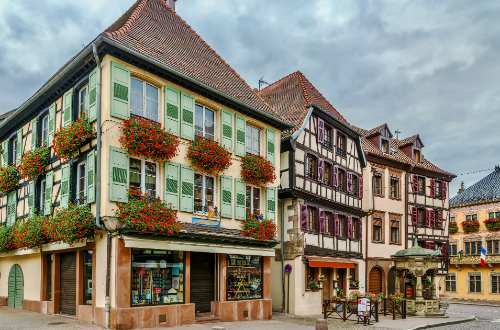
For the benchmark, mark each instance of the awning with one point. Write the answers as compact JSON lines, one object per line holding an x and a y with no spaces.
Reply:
{"x":142,"y":243}
{"x":325,"y":262}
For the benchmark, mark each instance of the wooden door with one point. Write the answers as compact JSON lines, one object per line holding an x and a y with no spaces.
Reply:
{"x":67,"y":277}
{"x":15,"y":287}
{"x":202,"y":281}
{"x":375,"y":280}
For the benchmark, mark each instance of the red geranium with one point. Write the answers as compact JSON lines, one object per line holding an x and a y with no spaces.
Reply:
{"x":208,"y":156}
{"x":143,"y":137}
{"x":492,"y":224}
{"x":470,"y":226}
{"x":69,"y":139}
{"x":34,"y":162}
{"x":71,"y":224}
{"x":256,"y":227}
{"x":257,"y":170}
{"x":9,"y":179}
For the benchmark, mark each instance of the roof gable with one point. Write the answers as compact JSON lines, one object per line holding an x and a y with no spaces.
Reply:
{"x":485,"y":190}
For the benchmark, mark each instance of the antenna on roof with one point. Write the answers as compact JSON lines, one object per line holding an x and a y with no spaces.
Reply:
{"x":262,"y":82}
{"x":397,"y":132}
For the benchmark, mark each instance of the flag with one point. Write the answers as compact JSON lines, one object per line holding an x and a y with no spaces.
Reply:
{"x":483,"y":256}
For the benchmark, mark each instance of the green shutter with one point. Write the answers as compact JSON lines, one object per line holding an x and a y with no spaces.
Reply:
{"x":19,"y":146}
{"x":52,"y":123}
{"x":92,"y":99}
{"x":240,"y":190}
{"x":11,"y":207}
{"x":15,"y":289}
{"x":120,"y":91}
{"x":67,"y":110}
{"x":226,"y":205}
{"x":90,"y":177}
{"x":187,"y":189}
{"x":31,"y":198}
{"x":239,"y":147}
{"x":118,"y":175}
{"x":34,"y":124}
{"x":65,"y":179}
{"x":270,"y":137}
{"x":5,"y":153}
{"x":49,"y":182}
{"x":271,"y":204}
{"x":227,"y":130}
{"x":187,"y":115}
{"x":172,"y":185}
{"x":172,"y":108}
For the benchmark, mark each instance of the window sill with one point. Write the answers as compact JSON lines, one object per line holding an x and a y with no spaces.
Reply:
{"x":394,"y":243}
{"x":378,"y":242}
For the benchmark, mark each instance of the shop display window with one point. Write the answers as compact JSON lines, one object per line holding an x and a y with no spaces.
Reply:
{"x":157,"y":277}
{"x":244,"y":277}
{"x":87,"y":277}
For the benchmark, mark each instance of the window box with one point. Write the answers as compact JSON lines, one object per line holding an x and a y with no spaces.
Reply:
{"x":208,"y":157}
{"x":33,"y":163}
{"x":70,"y":225}
{"x":9,"y":179}
{"x":68,"y":140}
{"x":258,"y":228}
{"x":492,"y":224}
{"x":453,"y":228}
{"x":256,"y":170}
{"x":470,"y":226}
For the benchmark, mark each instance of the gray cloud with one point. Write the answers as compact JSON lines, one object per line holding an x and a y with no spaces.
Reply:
{"x":428,"y":67}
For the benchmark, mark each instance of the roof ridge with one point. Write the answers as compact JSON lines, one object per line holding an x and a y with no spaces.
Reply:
{"x":279,"y":81}
{"x":129,"y":17}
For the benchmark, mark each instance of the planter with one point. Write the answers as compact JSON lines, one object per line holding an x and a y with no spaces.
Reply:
{"x":492,"y":224}
{"x":71,"y":224}
{"x":470,"y":226}
{"x":256,"y":170}
{"x":28,"y":233}
{"x":144,"y":138}
{"x":68,"y":140}
{"x":9,"y":179}
{"x":258,"y":228}
{"x":208,"y":157}
{"x":5,"y":238}
{"x":453,"y":228}
{"x":33,"y":163}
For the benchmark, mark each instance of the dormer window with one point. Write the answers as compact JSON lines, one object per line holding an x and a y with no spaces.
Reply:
{"x":417,"y":155}
{"x":384,"y":145}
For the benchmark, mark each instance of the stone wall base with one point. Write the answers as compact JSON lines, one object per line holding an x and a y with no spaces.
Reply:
{"x":3,"y":301}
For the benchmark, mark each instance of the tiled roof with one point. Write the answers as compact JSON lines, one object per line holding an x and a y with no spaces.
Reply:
{"x":292,"y":96}
{"x":4,"y":116}
{"x":485,"y":190}
{"x":151,"y":28}
{"x":408,"y":140}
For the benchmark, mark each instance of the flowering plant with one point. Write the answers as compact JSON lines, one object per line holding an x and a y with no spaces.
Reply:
{"x":9,"y":178}
{"x":493,"y":224}
{"x":29,"y":233}
{"x":143,"y":137}
{"x":257,"y":170}
{"x":148,"y":215}
{"x":5,"y":238}
{"x":453,"y":228}
{"x":256,"y":227}
{"x":208,"y":156}
{"x":33,"y":163}
{"x":397,"y":298}
{"x":69,"y":139}
{"x":470,"y":226}
{"x":71,"y":224}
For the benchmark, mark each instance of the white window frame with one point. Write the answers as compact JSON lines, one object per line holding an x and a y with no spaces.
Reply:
{"x":446,"y":281}
{"x":86,"y":104}
{"x":205,"y":109}
{"x":204,"y":192}
{"x":143,"y":176}
{"x":44,"y":129}
{"x":252,"y":208}
{"x":41,"y":196}
{"x":78,"y":177}
{"x":12,"y":138}
{"x":496,"y":274}
{"x":144,"y":113}
{"x":250,"y":131}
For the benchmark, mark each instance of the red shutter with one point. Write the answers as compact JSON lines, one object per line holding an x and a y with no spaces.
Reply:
{"x":321,"y":221}
{"x":414,"y":216}
{"x":321,"y":169}
{"x":331,"y":224}
{"x":433,"y":218}
{"x":349,"y":227}
{"x":444,"y":190}
{"x":335,"y":177}
{"x":337,"y":224}
{"x":428,"y":218}
{"x":360,"y":182}
{"x":321,"y":130}
{"x":349,"y":182}
{"x":414,"y":183}
{"x":432,"y":192}
{"x":303,"y":217}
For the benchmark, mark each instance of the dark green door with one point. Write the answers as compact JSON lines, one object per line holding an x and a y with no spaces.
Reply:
{"x":16,"y":287}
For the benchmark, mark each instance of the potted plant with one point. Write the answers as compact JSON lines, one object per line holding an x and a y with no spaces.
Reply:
{"x":255,"y":226}
{"x":492,"y":224}
{"x":145,"y":138}
{"x":9,"y":179}
{"x":397,"y":298}
{"x":256,"y":170}
{"x":68,"y":140}
{"x":313,"y":285}
{"x":71,"y":224}
{"x":470,"y":226}
{"x":28,"y":233}
{"x":33,"y":163}
{"x":208,"y":157}
{"x":453,"y":228}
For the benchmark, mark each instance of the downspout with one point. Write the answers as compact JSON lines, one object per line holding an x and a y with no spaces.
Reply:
{"x":107,"y":299}
{"x":282,"y":255}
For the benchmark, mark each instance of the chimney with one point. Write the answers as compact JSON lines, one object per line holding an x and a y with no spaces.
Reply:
{"x":462,"y":188}
{"x":171,"y":4}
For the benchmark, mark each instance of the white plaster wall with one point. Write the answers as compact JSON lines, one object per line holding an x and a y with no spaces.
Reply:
{"x":31,"y":267}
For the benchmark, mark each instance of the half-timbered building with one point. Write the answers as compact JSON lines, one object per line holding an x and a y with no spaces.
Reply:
{"x":320,"y":199}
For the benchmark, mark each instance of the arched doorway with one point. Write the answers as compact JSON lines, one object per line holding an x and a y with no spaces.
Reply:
{"x":375,"y":280}
{"x":16,"y":287}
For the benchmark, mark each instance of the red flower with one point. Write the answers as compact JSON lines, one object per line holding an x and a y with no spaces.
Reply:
{"x":68,"y":140}
{"x":208,"y":156}
{"x":257,"y":170}
{"x":9,"y":179}
{"x":34,"y":162}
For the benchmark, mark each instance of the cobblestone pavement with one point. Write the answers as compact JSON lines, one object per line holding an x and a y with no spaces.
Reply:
{"x":488,"y":317}
{"x":19,"y":319}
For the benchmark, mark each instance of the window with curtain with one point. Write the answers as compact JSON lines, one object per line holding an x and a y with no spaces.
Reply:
{"x":143,"y":176}
{"x":395,"y":231}
{"x":252,"y":141}
{"x":80,"y":183}
{"x":204,"y":122}
{"x":377,"y":184}
{"x":253,"y":200}
{"x":311,"y":166}
{"x":312,"y":219}
{"x":83,"y":101}
{"x":395,"y":187}
{"x":377,"y":230}
{"x":144,"y":99}
{"x":204,"y":197}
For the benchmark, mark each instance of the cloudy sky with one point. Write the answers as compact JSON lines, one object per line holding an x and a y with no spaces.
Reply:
{"x":428,"y":67}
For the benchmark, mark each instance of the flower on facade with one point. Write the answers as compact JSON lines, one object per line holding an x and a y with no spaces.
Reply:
{"x":5,"y":238}
{"x":492,"y":224}
{"x":144,"y":214}
{"x":255,"y":226}
{"x":453,"y":228}
{"x":69,"y":139}
{"x":145,"y":138}
{"x":9,"y":179}
{"x":470,"y":226}
{"x":208,"y":157}
{"x":397,"y":298}
{"x":34,"y":162}
{"x":256,"y":170}
{"x":71,"y":224}
{"x":29,"y":233}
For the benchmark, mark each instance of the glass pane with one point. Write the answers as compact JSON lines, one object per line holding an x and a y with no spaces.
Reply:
{"x":198,"y":193}
{"x":244,"y":277}
{"x":135,"y":173}
{"x":150,"y":179}
{"x":151,"y":102}
{"x":45,"y":130}
{"x":87,"y":277}
{"x":256,"y":200}
{"x":82,"y":101}
{"x":81,"y":184}
{"x":209,"y":183}
{"x":198,"y":117}
{"x":209,"y":124}
{"x":136,"y":97}
{"x":248,"y":202}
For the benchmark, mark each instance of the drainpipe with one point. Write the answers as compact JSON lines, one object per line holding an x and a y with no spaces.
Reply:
{"x":282,"y":252}
{"x":107,"y":299}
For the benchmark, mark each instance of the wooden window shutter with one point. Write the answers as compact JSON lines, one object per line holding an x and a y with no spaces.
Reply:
{"x":92,"y":99}
{"x":414,"y":183}
{"x":360,"y":183}
{"x":172,"y":110}
{"x":433,"y":218}
{"x":226,"y":208}
{"x":303,"y":217}
{"x":49,"y":182}
{"x":414,"y":216}
{"x":65,"y":179}
{"x":90,"y":177}
{"x":335,"y":176}
{"x":444,"y":190}
{"x":271,"y":204}
{"x":322,"y":220}
{"x":321,"y":130}
{"x":270,"y":136}
{"x":321,"y":169}
{"x":349,"y":227}
{"x":240,"y":206}
{"x":432,"y":187}
{"x":52,"y":123}
{"x":428,"y":218}
{"x":31,"y":198}
{"x":11,"y":207}
{"x":187,"y":189}
{"x":67,"y":110}
{"x":34,"y":134}
{"x":337,"y":224}
{"x":227,"y":130}
{"x":19,"y":146}
{"x":118,"y":175}
{"x":187,"y":117}
{"x":240,"y":145}
{"x":120,"y":91}
{"x":172,"y":185}
{"x":349,"y":182}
